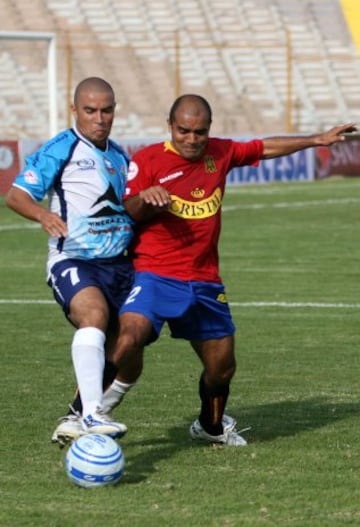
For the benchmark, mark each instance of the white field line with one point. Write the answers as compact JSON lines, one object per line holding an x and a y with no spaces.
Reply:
{"x":319,"y":305}
{"x":23,"y":301}
{"x":19,"y":226}
{"x":283,"y":188}
{"x":291,"y":204}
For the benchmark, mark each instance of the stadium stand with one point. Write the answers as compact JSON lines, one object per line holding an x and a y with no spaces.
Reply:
{"x":352,"y":14}
{"x":266,"y":66}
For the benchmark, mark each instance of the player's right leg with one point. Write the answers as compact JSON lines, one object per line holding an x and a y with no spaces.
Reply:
{"x":76,"y":288}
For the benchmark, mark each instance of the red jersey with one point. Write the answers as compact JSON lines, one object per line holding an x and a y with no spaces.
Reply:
{"x":182,"y":242}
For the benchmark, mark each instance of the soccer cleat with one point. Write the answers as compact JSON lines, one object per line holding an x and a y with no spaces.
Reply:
{"x":228,"y":422}
{"x":229,"y":436}
{"x":101,"y":423}
{"x":68,"y":430}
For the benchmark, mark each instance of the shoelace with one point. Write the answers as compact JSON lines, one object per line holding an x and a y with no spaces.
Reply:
{"x":75,"y":412}
{"x":244,"y":430}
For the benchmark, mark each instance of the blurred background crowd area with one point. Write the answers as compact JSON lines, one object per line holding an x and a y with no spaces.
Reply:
{"x":266,"y":66}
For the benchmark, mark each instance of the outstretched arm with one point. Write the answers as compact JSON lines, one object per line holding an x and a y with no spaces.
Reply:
{"x":281,"y":146}
{"x":22,"y":203}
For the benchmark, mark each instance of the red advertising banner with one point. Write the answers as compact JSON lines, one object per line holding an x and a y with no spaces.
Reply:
{"x":9,"y":164}
{"x":342,"y":159}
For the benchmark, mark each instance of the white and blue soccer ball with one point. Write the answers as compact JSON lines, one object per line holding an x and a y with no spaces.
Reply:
{"x":94,"y":460}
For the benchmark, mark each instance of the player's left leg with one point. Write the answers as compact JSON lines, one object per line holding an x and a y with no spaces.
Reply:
{"x":217,"y":357}
{"x":208,"y":326}
{"x":212,"y":426}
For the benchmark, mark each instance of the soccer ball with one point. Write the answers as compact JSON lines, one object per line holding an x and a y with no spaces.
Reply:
{"x":94,"y":460}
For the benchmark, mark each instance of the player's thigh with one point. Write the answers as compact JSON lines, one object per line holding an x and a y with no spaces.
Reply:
{"x":208,"y":317}
{"x":78,"y":287}
{"x":157,"y":299}
{"x":89,"y":307}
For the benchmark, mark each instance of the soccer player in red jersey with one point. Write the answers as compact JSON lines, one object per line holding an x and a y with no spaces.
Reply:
{"x":175,"y":190}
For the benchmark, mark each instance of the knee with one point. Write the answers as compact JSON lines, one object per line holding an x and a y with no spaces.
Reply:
{"x":128,"y":349}
{"x":227,"y":373}
{"x":96,"y":316}
{"x":127,"y":342}
{"x":231,"y":369}
{"x":220,"y":374}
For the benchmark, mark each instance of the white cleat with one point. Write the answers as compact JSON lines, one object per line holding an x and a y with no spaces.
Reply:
{"x":228,"y":423}
{"x":229,"y":436}
{"x":68,"y":430}
{"x":101,"y":423}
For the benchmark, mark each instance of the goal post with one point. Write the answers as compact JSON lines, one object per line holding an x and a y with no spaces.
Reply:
{"x":50,"y":38}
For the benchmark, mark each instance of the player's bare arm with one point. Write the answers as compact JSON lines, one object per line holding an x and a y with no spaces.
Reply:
{"x":22,"y":203}
{"x":147,"y":203}
{"x":280,"y":146}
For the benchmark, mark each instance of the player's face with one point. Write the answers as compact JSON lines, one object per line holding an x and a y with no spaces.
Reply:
{"x":190,"y":134}
{"x":94,"y":115}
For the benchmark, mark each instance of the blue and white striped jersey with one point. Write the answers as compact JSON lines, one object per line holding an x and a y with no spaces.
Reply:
{"x":84,"y":186}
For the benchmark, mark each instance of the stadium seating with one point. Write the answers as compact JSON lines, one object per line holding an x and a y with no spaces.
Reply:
{"x":266,"y":66}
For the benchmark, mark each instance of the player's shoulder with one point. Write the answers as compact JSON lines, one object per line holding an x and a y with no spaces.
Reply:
{"x":150,"y":151}
{"x":154,"y":147}
{"x":226,"y":143}
{"x":57,"y":148}
{"x":220,"y":142}
{"x":61,"y":143}
{"x":219,"y":145}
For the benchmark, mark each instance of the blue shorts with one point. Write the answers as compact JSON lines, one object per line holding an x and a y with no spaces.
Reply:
{"x":113,"y":276}
{"x":193,"y":310}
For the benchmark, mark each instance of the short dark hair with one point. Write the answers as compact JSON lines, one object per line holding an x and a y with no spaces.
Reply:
{"x":191,"y":98}
{"x":92,"y":83}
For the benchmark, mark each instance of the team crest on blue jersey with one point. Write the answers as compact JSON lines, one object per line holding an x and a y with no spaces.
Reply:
{"x":109,"y":166}
{"x":31,"y":177}
{"x":85,"y":164}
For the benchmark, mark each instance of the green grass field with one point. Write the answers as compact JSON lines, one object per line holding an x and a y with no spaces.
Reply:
{"x":290,"y":260}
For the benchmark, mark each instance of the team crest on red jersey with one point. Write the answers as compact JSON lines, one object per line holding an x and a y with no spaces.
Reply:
{"x":197,"y":192}
{"x":210,"y":166}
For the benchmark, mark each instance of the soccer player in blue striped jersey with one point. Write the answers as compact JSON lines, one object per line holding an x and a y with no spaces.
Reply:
{"x":82,"y":172}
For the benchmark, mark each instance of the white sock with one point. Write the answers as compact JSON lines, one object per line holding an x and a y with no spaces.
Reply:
{"x":114,"y":395}
{"x":88,"y":359}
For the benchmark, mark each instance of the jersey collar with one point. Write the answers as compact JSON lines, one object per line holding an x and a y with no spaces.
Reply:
{"x":169,"y":146}
{"x":89,"y":143}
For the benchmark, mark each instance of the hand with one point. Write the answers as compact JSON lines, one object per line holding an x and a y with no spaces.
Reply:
{"x":53,"y":224}
{"x":157,"y":196}
{"x":335,"y":134}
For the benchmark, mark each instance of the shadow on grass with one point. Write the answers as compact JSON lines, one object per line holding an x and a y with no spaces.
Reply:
{"x":267,"y":422}
{"x":287,"y":418}
{"x":140,"y":466}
